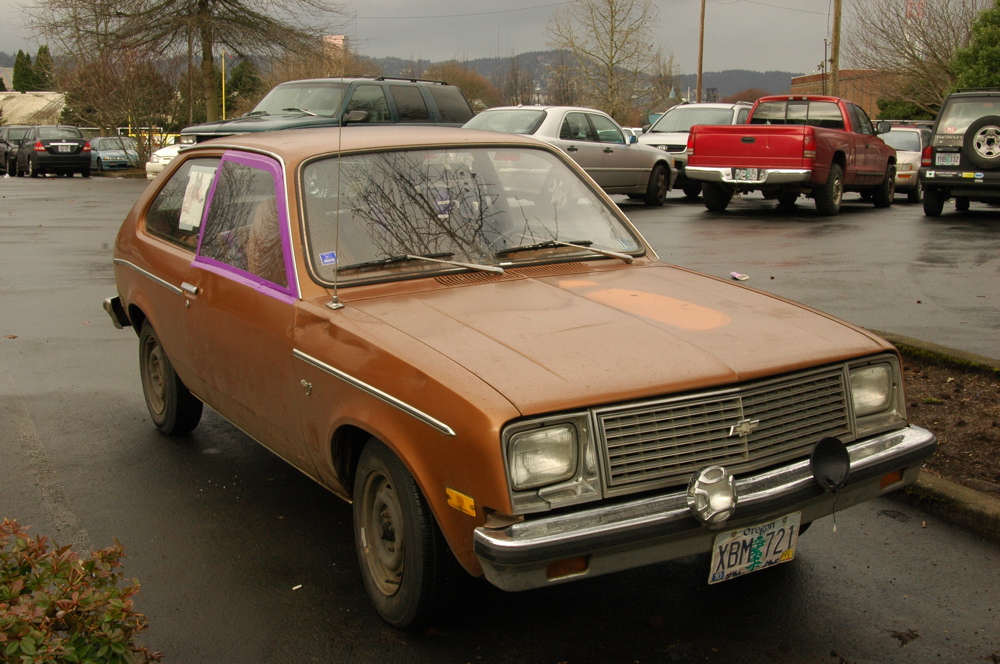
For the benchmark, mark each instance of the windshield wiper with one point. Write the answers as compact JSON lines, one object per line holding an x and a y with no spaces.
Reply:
{"x":301,"y":110}
{"x":431,"y":258}
{"x":252,"y":113}
{"x":576,"y":244}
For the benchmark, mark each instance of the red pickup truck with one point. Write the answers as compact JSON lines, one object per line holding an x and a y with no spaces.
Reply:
{"x":795,"y":145}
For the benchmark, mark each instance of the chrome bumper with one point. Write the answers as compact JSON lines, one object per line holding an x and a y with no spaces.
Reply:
{"x":768,"y":176}
{"x":660,"y":528}
{"x":115,"y":309}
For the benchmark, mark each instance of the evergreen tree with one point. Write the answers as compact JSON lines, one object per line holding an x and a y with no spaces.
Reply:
{"x":44,"y":71}
{"x":22,"y":66}
{"x":978,"y":64}
{"x":3,"y":85}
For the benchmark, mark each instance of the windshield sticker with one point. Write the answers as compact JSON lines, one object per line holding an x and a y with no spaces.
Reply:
{"x":328,"y":258}
{"x":199,"y":180}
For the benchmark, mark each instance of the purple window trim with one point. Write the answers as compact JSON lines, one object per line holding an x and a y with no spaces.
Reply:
{"x":285,"y":294}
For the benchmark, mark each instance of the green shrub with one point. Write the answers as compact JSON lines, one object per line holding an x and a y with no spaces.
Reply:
{"x":58,"y":607}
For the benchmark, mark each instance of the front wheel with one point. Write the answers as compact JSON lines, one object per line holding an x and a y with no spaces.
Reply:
{"x":173,"y":409}
{"x":916,"y":194}
{"x":962,"y":204}
{"x":33,"y":171}
{"x":11,"y":167}
{"x":400,"y":552}
{"x":656,"y":190}
{"x":887,"y":190}
{"x":716,"y":196}
{"x":692,"y":190}
{"x":933,"y":202}
{"x":829,"y":196}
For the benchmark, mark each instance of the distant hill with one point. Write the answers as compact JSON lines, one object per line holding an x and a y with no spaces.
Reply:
{"x":727,"y":82}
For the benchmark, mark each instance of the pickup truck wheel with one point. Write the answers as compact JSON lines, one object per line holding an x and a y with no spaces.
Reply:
{"x":933,"y":202}
{"x":656,"y":190}
{"x":716,"y":196}
{"x":399,"y":548}
{"x":692,"y":190}
{"x":829,"y":196}
{"x":173,"y":409}
{"x":981,"y":144}
{"x":788,"y":197}
{"x":916,"y":194}
{"x":887,"y":190}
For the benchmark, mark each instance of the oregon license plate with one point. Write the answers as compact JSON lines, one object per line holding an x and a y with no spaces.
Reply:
{"x":746,"y":173}
{"x":745,"y":550}
{"x":947,"y":159}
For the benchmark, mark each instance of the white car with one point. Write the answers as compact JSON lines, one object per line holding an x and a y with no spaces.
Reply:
{"x":160,"y":158}
{"x":609,"y":154}
{"x":909,"y":141}
{"x":670,"y":132}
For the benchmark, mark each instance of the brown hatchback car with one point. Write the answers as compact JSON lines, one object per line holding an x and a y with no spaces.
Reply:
{"x":489,"y":373}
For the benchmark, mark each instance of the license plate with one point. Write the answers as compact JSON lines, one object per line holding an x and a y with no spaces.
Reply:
{"x":65,"y":148}
{"x":746,"y":173}
{"x":947,"y":159}
{"x":739,"y":552}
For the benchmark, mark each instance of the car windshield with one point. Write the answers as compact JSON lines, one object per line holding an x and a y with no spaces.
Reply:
{"x":960,"y":113}
{"x":513,"y":121}
{"x":904,"y":141}
{"x":114,"y":143}
{"x":367,"y":216}
{"x":682,"y":118}
{"x":319,"y":97}
{"x":59,"y":132}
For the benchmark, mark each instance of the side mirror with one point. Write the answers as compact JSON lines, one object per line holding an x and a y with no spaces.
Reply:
{"x":882,"y":127}
{"x":632,"y":138}
{"x":355,"y":116}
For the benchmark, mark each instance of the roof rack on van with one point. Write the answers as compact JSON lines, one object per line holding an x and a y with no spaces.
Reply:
{"x":406,"y":78}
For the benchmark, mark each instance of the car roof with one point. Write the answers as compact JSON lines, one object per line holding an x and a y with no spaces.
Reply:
{"x":545,"y":107}
{"x":300,"y":144}
{"x":349,"y":79}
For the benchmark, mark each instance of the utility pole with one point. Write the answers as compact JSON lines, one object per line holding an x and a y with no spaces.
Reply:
{"x":835,"y":50}
{"x":701,"y":50}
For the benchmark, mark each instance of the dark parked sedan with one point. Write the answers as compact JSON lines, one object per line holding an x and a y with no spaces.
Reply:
{"x":10,"y":138}
{"x":53,"y":149}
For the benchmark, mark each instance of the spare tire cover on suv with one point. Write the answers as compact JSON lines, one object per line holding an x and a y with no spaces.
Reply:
{"x":981,"y":145}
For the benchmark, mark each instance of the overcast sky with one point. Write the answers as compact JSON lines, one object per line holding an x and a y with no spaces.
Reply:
{"x":760,"y":35}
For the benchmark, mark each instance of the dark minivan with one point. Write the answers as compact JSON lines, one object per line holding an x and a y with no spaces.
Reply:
{"x":325,"y":102}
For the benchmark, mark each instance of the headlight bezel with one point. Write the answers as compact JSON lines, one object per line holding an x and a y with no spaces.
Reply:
{"x":870,"y":413}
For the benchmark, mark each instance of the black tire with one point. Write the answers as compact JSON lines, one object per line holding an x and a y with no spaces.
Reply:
{"x":173,"y":409}
{"x":933,"y":202}
{"x":400,"y":551}
{"x":962,"y":204}
{"x":716,"y":196}
{"x":33,"y":171}
{"x":659,"y":183}
{"x":11,"y":166}
{"x":692,"y":190}
{"x":100,"y":165}
{"x":916,"y":194}
{"x":830,"y":195}
{"x":788,"y":198}
{"x":886,"y":192}
{"x":981,"y":144}
{"x":84,"y":173}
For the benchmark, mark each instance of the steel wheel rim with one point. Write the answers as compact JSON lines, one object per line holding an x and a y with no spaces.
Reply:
{"x":152,"y":376}
{"x":987,"y":142}
{"x":838,"y":191}
{"x":383,"y":533}
{"x":661,"y":185}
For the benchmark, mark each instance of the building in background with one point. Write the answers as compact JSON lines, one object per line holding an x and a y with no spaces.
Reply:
{"x":858,"y":85}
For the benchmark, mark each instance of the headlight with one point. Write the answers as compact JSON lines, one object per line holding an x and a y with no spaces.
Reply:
{"x":543,"y":456}
{"x":871,"y":389}
{"x":155,"y":159}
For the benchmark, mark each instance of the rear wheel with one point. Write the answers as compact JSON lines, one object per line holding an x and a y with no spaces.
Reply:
{"x":933,"y":202}
{"x":716,"y":196}
{"x":829,"y":196}
{"x":400,"y":551}
{"x":173,"y":409}
{"x":84,"y":173}
{"x":887,"y":190}
{"x":656,"y":190}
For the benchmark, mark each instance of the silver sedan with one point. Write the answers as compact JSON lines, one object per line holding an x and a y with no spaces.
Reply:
{"x":609,"y":154}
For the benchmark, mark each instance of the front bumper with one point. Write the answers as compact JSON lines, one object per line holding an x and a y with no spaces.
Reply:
{"x":766,"y":176}
{"x":660,"y":528}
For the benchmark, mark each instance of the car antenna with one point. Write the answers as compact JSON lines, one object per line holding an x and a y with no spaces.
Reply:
{"x":335,"y":303}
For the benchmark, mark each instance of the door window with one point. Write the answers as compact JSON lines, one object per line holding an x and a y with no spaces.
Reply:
{"x":576,"y":128}
{"x":175,"y":214}
{"x":410,"y":103}
{"x":371,"y":100}
{"x":607,"y":130}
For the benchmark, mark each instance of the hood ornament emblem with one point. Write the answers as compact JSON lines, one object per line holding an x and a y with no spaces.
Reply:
{"x":711,"y":495}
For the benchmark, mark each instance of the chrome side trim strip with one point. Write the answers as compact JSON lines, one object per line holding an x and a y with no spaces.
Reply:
{"x":375,"y":392}
{"x":155,"y":279}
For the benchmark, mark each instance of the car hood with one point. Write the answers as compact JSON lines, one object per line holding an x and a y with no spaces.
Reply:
{"x":557,"y":342}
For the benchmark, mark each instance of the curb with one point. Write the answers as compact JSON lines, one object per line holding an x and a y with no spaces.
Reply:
{"x":970,"y":509}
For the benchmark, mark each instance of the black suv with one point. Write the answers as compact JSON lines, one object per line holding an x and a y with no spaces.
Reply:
{"x":325,"y":102}
{"x":963,"y":158}
{"x":10,"y":138}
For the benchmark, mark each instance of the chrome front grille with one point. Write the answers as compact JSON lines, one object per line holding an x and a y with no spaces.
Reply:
{"x":754,"y":426}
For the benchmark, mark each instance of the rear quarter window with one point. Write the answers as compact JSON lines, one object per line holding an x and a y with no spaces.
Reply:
{"x":410,"y":103}
{"x":451,"y":103}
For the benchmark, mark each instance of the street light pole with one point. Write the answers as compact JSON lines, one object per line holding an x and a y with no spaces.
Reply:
{"x":701,"y":50}
{"x":835,"y":51}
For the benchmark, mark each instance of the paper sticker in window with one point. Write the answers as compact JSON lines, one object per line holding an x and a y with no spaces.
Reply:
{"x":193,"y":207}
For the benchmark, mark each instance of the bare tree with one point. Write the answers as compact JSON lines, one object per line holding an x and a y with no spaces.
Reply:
{"x":241,"y":27}
{"x":561,"y":87}
{"x":515,"y":84}
{"x":612,"y":45}
{"x":480,"y":92}
{"x":912,"y":43}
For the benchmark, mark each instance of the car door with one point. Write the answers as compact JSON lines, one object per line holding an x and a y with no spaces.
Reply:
{"x":624,"y":163}
{"x":242,"y":291}
{"x":579,"y":140}
{"x":869,"y":147}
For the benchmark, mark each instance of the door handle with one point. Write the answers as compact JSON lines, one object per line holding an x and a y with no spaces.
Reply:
{"x":190,"y":288}
{"x":608,"y":151}
{"x":572,"y":148}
